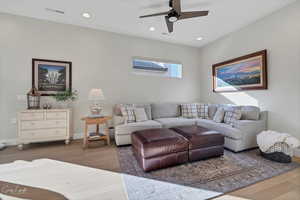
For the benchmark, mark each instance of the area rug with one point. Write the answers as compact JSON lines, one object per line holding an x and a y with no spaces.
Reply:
{"x":223,"y":174}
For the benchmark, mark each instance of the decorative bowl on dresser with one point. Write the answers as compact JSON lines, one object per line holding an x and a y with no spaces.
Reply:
{"x":44,"y":126}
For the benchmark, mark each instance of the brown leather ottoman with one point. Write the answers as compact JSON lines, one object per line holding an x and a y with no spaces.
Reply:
{"x":159,"y":148}
{"x":203,"y":143}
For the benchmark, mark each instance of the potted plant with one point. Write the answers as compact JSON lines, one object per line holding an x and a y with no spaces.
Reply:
{"x":65,"y":98}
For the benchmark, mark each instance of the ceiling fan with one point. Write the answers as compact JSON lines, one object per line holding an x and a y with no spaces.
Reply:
{"x":176,"y":14}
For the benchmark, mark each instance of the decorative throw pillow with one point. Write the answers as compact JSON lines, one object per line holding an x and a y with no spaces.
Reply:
{"x":189,"y":110}
{"x":128,"y":114}
{"x":231,"y":116}
{"x":140,"y":115}
{"x":219,"y":115}
{"x":202,"y":110}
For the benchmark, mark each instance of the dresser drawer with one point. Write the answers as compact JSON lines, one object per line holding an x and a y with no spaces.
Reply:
{"x":32,"y":116}
{"x":43,"y":133}
{"x":56,"y":115}
{"x":30,"y":125}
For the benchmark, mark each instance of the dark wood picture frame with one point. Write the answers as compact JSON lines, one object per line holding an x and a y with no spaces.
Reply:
{"x":264,"y":76}
{"x":35,"y":74}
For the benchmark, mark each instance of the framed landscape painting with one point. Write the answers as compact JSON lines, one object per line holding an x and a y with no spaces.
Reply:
{"x":51,"y":76}
{"x":244,"y":73}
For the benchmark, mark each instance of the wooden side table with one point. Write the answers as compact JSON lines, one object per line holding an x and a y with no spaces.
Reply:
{"x":88,"y":137}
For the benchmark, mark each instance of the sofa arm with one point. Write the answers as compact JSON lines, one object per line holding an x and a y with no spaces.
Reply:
{"x":118,"y":120}
{"x":251,"y":126}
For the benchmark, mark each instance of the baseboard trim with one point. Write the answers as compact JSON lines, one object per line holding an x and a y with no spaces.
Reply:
{"x":9,"y":142}
{"x":14,"y":142}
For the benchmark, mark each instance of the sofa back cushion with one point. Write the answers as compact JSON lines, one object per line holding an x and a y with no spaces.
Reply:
{"x":250,"y":112}
{"x":165,"y":110}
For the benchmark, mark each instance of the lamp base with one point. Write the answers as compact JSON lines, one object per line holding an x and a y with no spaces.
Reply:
{"x":95,"y":109}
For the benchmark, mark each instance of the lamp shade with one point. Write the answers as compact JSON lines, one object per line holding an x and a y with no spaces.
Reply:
{"x":96,"y":94}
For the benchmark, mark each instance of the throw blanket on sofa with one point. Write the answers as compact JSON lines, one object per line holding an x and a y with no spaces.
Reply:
{"x":267,"y":139}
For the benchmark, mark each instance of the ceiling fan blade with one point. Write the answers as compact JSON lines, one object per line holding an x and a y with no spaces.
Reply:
{"x":156,"y":14}
{"x":170,"y":25}
{"x":187,"y":15}
{"x":177,"y":5}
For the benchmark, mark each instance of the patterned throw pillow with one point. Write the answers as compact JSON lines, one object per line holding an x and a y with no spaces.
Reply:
{"x":232,"y":116}
{"x":128,"y":114}
{"x":189,"y":110}
{"x":202,"y":110}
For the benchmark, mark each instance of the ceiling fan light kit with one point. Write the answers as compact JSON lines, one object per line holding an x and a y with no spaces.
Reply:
{"x":176,"y":14}
{"x":173,"y":19}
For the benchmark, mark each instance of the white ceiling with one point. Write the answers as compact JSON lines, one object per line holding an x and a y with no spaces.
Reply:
{"x":121,"y":16}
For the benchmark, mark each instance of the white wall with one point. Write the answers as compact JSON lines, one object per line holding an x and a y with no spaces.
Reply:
{"x":100,"y":59}
{"x":279,"y":33}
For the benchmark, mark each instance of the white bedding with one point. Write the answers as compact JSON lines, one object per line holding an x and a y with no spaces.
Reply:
{"x":267,"y":139}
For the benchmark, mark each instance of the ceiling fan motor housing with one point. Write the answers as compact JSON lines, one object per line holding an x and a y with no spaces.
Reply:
{"x":173,"y":16}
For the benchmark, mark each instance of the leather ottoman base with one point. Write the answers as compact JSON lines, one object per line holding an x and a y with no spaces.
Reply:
{"x":203,"y":143}
{"x":159,"y":148}
{"x":160,"y":162}
{"x":204,"y":153}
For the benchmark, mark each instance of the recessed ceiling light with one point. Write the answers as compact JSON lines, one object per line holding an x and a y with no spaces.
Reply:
{"x":86,"y":15}
{"x":199,"y":38}
{"x":152,"y":28}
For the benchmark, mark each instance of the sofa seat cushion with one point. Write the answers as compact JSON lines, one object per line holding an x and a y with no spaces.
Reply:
{"x":126,"y":129}
{"x":176,"y":121}
{"x":158,"y":142}
{"x":225,"y":129}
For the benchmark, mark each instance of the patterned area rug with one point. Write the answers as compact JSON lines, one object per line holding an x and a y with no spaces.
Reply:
{"x":223,"y":174}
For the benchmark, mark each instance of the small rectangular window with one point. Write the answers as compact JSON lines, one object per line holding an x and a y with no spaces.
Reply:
{"x":157,"y":68}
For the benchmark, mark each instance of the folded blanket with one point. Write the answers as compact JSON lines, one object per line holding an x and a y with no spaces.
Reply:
{"x":267,"y":139}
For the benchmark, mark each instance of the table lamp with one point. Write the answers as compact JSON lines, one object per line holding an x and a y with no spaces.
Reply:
{"x":96,"y":95}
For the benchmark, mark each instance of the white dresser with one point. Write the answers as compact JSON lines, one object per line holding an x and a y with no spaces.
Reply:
{"x":43,"y":126}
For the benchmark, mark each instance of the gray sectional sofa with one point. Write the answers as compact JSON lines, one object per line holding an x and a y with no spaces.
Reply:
{"x":240,"y":136}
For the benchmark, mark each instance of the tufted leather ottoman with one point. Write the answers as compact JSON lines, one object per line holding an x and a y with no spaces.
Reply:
{"x":203,"y":143}
{"x":159,"y":148}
